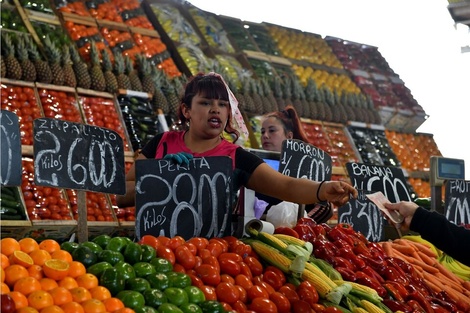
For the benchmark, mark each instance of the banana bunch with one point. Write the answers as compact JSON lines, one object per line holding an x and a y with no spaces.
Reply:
{"x":456,"y":267}
{"x":419,"y":239}
{"x":194,"y":58}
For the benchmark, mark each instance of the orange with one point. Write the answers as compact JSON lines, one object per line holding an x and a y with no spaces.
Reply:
{"x":40,"y":299}
{"x":80,"y":294}
{"x":52,"y":309}
{"x":62,"y":255}
{"x":20,"y":299}
{"x":2,"y":275}
{"x":26,"y":285}
{"x":61,"y":295}
{"x":50,"y":245}
{"x":28,"y":244}
{"x":48,"y":283}
{"x":4,"y":260}
{"x":4,"y":288}
{"x":40,"y":256}
{"x":27,"y":309}
{"x":56,"y":269}
{"x":87,"y":281}
{"x":21,"y":258}
{"x":13,"y":273}
{"x":76,"y":269}
{"x":73,"y":307}
{"x":36,"y":271}
{"x":112,"y":304}
{"x":93,"y":306}
{"x":9,"y":245}
{"x":68,"y":282}
{"x":100,"y":292}
{"x":124,"y":310}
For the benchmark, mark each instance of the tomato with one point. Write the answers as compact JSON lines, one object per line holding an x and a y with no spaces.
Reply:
{"x":175,"y":242}
{"x":199,"y":242}
{"x":215,"y":247}
{"x":242,"y":249}
{"x":307,"y":292}
{"x":230,"y":255}
{"x":289,"y":292}
{"x":254,"y":264}
{"x":208,"y":274}
{"x":149,"y":240}
{"x":212,"y":260}
{"x":166,"y":253}
{"x":257,"y":292}
{"x":227,"y":292}
{"x":209,"y":292}
{"x":262,"y":305}
{"x":245,"y":270}
{"x":239,"y":306}
{"x":191,"y":247}
{"x":331,"y":309}
{"x":195,"y":281}
{"x":227,"y":307}
{"x":282,"y":303}
{"x":243,"y":281}
{"x":179,"y":268}
{"x":221,"y":241}
{"x":266,"y":286}
{"x":273,"y":279}
{"x":319,"y":308}
{"x":185,"y":257}
{"x":204,"y":253}
{"x":300,"y":306}
{"x":229,"y":266}
{"x":243,"y":293}
{"x":227,"y":278}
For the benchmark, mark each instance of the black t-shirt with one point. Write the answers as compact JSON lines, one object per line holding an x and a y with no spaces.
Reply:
{"x":245,"y":162}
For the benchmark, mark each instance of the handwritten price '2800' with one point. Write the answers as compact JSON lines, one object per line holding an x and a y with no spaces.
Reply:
{"x":77,"y":172}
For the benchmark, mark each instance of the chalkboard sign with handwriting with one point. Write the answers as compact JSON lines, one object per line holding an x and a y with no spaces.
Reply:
{"x":78,"y":156}
{"x":188,"y":201}
{"x":303,"y":160}
{"x":457,"y":200}
{"x":10,"y":174}
{"x":363,"y":214}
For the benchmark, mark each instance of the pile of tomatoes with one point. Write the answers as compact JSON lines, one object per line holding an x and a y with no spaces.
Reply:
{"x":229,"y":271}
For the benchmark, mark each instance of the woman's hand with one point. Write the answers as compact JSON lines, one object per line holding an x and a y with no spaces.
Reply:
{"x":406,"y":209}
{"x":336,"y":192}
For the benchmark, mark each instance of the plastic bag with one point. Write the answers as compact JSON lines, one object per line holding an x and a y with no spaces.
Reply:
{"x":283,"y":214}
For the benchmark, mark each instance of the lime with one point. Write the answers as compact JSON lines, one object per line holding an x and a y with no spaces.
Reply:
{"x":177,"y":296}
{"x":180,"y":280}
{"x":162,"y":265}
{"x":69,"y":246}
{"x":131,"y":299}
{"x":102,"y":240}
{"x":137,"y":284}
{"x":143,"y":269}
{"x":84,"y":255}
{"x":93,"y":246}
{"x":195,"y":294}
{"x":132,"y":253}
{"x":154,"y":297}
{"x":125,"y":269}
{"x":212,"y":306}
{"x":158,"y":281}
{"x":98,"y":268}
{"x":169,"y":308}
{"x":146,"y":309}
{"x":191,"y":308}
{"x":110,"y":256}
{"x":148,"y":253}
{"x":116,"y":244}
{"x":111,"y":279}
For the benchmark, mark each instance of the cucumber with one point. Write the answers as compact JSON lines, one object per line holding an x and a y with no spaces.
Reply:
{"x":8,"y":191}
{"x":11,"y":217}
{"x":11,"y":204}
{"x":8,"y":211}
{"x":8,"y":197}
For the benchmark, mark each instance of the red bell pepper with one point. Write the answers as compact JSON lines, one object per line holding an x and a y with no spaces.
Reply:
{"x":371,"y":282}
{"x":306,"y":221}
{"x":337,"y":233}
{"x":374,"y":263}
{"x":373,"y":273}
{"x":361,"y":248}
{"x":393,"y":292}
{"x":305,"y":232}
{"x":450,"y":307}
{"x":286,"y":231}
{"x":396,"y":305}
{"x":415,"y":306}
{"x":399,"y":287}
{"x":348,"y":254}
{"x":418,"y":296}
{"x":343,"y":262}
{"x":346,"y":273}
{"x":390,"y":273}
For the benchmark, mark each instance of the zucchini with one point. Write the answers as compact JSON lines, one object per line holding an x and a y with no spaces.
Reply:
{"x":10,"y":217}
{"x":8,"y":191}
{"x":8,"y":211}
{"x":11,"y":204}
{"x":8,"y":197}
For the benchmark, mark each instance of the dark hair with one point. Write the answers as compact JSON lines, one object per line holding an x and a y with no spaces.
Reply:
{"x":290,"y":122}
{"x":210,"y":86}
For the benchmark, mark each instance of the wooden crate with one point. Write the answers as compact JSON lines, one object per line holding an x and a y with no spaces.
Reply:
{"x":48,"y":229}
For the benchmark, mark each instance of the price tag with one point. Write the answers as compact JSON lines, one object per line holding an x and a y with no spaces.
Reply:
{"x":10,"y":153}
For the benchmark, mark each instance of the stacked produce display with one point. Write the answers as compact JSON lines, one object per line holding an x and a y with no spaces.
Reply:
{"x":121,"y":65}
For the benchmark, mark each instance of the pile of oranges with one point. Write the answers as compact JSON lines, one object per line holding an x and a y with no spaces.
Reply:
{"x":41,"y":277}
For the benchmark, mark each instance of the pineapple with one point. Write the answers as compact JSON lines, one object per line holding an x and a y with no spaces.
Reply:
{"x":69,"y":75}
{"x":13,"y":67}
{"x":131,"y":72}
{"x":269,"y":95}
{"x":43,"y":71}
{"x":287,"y":92}
{"x":80,"y":69}
{"x":263,"y":96}
{"x":278,"y":94}
{"x":310,"y":90}
{"x":27,"y":67}
{"x":54,"y":59}
{"x":248,"y":99}
{"x":3,"y":67}
{"x":145,"y":69}
{"x":296,"y":96}
{"x":159,"y":101}
{"x":119,"y":68}
{"x":110,"y":78}
{"x":304,"y":101}
{"x":171,"y":93}
{"x":256,"y":96}
{"x":237,"y":93}
{"x":98,"y":81}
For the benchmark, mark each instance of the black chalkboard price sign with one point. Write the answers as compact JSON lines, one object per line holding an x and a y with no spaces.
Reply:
{"x":188,"y":201}
{"x":78,"y":156}
{"x":303,"y":160}
{"x":10,"y":174}
{"x":363,"y":214}
{"x":457,"y":201}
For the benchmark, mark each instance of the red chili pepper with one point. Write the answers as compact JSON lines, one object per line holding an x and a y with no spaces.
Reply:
{"x":373,"y":273}
{"x":421,"y":299}
{"x":415,"y":306}
{"x":399,"y":287}
{"x":374,"y":263}
{"x":371,"y":282}
{"x":324,"y":253}
{"x":286,"y":231}
{"x":390,"y":273}
{"x":376,"y":249}
{"x":340,"y":243}
{"x":346,"y":273}
{"x":393,"y":292}
{"x":450,"y":307}
{"x":360,"y":248}
{"x":319,"y":230}
{"x":343,"y":262}
{"x":444,"y":296}
{"x":336,"y":233}
{"x":391,"y":261}
{"x":396,"y":305}
{"x":347,"y":253}
{"x":437,"y":308}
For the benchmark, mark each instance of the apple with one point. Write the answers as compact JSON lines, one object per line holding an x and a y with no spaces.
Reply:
{"x":7,"y":304}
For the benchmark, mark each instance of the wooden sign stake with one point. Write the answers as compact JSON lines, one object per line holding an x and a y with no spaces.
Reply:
{"x":82,"y":227}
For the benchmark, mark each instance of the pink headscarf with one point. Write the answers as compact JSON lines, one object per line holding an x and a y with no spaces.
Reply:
{"x":236,"y":114}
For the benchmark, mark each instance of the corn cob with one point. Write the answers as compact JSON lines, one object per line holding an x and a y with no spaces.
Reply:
{"x":363,"y":292}
{"x":359,"y":310}
{"x":326,"y":268}
{"x":322,"y":287}
{"x":269,"y":239}
{"x":290,"y":240}
{"x":320,"y":274}
{"x":370,"y":307}
{"x":271,"y":255}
